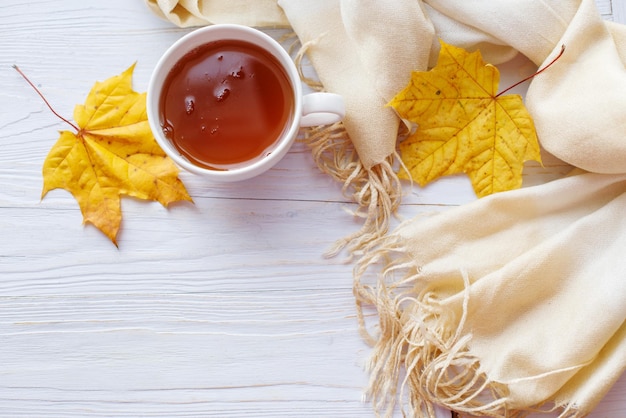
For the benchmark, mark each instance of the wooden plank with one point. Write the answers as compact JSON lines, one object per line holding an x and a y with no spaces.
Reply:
{"x":605,"y":8}
{"x":619,"y":11}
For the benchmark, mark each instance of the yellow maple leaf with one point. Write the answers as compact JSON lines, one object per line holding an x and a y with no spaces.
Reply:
{"x":113,"y":153}
{"x":464,"y":126}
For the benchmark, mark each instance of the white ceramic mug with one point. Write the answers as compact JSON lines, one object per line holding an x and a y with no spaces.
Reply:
{"x":312,"y":109}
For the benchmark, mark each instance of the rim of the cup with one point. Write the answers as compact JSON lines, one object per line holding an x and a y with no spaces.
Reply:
{"x":186,"y":44}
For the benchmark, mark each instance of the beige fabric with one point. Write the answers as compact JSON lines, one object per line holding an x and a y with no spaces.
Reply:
{"x":185,"y":13}
{"x":366,"y":64}
{"x":531,"y":27}
{"x":524,"y":292}
{"x":457,"y":33}
{"x":590,"y":134}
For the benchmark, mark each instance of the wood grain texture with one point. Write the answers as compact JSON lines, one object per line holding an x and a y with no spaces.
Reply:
{"x":224,"y":308}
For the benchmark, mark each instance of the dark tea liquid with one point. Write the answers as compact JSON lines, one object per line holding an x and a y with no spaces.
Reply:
{"x":226,"y":103}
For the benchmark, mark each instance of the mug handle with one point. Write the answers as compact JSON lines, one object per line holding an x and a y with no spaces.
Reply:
{"x":322,"y":109}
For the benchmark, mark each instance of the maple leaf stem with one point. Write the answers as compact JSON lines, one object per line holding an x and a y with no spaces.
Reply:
{"x":535,"y":74}
{"x":44,"y":99}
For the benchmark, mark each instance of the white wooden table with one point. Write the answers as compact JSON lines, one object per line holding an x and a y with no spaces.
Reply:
{"x":223,"y":308}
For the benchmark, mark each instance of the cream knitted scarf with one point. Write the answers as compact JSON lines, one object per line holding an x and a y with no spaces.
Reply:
{"x":515,"y":302}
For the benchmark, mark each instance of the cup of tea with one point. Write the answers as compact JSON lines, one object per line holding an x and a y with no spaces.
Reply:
{"x":226,"y":101}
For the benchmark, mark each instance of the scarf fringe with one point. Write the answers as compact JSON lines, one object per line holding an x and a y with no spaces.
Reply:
{"x":377,"y":190}
{"x":420,"y":356}
{"x":419,"y":348}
